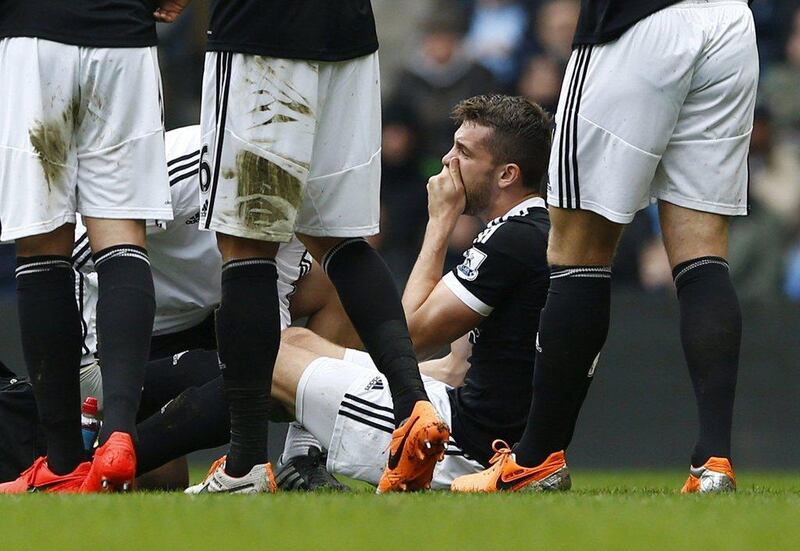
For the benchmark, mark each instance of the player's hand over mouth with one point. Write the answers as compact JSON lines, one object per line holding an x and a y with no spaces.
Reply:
{"x":446,"y":196}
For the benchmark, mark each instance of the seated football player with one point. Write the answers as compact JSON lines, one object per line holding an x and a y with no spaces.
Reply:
{"x":492,"y":299}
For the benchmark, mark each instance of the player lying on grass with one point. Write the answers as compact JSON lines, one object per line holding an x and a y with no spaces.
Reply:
{"x":494,"y":171}
{"x":185,"y":264}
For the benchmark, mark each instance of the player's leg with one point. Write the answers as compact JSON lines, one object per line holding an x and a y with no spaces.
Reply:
{"x":572,"y":330}
{"x":258,"y":137}
{"x":196,"y":419}
{"x":248,"y":336}
{"x":50,"y":327}
{"x":38,"y":159}
{"x":710,"y":323}
{"x":701,"y":181}
{"x":317,"y":300}
{"x":342,"y":206}
{"x":125,"y":313}
{"x":602,"y":162}
{"x":121,"y":184}
{"x":307,"y":339}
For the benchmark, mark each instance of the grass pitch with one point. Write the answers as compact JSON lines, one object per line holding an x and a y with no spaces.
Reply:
{"x":626,"y":510}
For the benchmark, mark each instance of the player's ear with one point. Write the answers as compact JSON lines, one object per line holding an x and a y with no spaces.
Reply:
{"x":510,"y":175}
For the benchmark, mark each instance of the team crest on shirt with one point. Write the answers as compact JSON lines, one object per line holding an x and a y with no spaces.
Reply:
{"x":473,"y":258}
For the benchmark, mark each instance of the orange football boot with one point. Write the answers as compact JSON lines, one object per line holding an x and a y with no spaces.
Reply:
{"x":505,"y":475}
{"x":39,"y":478}
{"x":416,"y":446}
{"x":113,"y":467}
{"x":715,"y":476}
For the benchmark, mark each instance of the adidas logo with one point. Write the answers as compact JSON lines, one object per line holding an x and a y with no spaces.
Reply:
{"x":193,"y":220}
{"x":375,"y":384}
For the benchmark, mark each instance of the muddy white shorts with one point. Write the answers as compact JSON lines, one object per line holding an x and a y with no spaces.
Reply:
{"x":348,"y":408}
{"x":663,"y":112}
{"x":291,"y":145}
{"x":81,"y":129}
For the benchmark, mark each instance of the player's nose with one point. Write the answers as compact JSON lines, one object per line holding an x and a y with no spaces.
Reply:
{"x":447,"y":157}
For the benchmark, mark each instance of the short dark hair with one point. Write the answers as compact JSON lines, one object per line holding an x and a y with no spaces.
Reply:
{"x":522,"y":133}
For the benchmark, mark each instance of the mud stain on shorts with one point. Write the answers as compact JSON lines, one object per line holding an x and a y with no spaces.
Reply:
{"x":267,"y":194}
{"x":50,"y":140}
{"x":297,"y":107}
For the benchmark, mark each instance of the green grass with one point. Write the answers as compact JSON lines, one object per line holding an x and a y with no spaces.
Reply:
{"x":630,"y":510}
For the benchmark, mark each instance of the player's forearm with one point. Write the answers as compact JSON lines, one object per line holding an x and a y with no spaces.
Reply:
{"x":429,"y":266}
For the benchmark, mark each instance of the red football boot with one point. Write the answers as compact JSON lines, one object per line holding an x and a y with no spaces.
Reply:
{"x":39,"y":478}
{"x":113,"y":467}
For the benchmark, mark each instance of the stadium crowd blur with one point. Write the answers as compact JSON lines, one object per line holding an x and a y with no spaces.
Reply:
{"x":436,"y":52}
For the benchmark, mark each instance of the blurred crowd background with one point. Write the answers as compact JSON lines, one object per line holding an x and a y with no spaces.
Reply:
{"x":436,"y":52}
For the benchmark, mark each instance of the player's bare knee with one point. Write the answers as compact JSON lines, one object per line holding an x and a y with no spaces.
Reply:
{"x":237,"y":248}
{"x":690,"y":234}
{"x":319,"y":246}
{"x":104,"y":233}
{"x":58,"y":242}
{"x":581,"y":238}
{"x":296,"y":336}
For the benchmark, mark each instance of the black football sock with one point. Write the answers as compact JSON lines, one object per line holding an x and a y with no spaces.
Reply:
{"x":248,"y":332}
{"x":125,"y":310}
{"x":711,"y":332}
{"x":572,"y":330}
{"x":196,"y":420}
{"x":51,"y":328}
{"x":372,"y":303}
{"x":166,"y":378}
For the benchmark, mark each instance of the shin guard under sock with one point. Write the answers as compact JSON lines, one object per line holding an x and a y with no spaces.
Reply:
{"x":711,"y":333}
{"x":572,"y":331}
{"x":51,"y":328}
{"x":125,"y":311}
{"x":248,"y":332}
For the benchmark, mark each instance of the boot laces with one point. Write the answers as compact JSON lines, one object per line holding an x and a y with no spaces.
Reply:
{"x":501,"y":450}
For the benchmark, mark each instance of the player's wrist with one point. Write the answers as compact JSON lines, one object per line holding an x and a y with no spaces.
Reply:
{"x":443,"y":221}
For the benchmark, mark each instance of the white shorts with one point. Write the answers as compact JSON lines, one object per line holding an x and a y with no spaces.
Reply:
{"x":291,"y":145}
{"x":81,"y":129}
{"x":348,"y":408}
{"x":663,"y":112}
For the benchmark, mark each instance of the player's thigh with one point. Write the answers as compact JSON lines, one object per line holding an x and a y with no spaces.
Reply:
{"x":258,"y":119}
{"x":705,"y":164}
{"x":342,"y":197}
{"x":617,"y":110}
{"x":38,"y":153}
{"x":321,"y":388}
{"x":122,"y":170}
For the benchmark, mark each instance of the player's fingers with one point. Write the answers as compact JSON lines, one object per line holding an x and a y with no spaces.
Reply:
{"x":165,"y":16}
{"x":455,"y":173}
